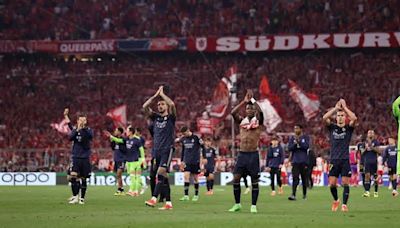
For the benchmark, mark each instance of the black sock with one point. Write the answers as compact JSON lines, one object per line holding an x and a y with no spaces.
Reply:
{"x":167,"y":190}
{"x":272,"y":182}
{"x":334,"y":192}
{"x":152,"y":183}
{"x":196,"y":189}
{"x":294,"y":187}
{"x":120,"y":189}
{"x":236,"y":192}
{"x":83,"y":188}
{"x":186,"y":188}
{"x":74,"y":187}
{"x":376,"y":186}
{"x":159,"y":186}
{"x":212,"y":184}
{"x":367,"y":186}
{"x":304,"y":189}
{"x":208,"y":185}
{"x":254,"y":193}
{"x":245,"y":182}
{"x":346,"y":193}
{"x":394,"y":184}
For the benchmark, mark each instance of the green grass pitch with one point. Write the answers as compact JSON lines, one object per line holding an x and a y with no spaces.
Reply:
{"x":47,"y":207}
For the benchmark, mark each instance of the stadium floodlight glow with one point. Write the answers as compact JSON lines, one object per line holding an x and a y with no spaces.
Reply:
{"x":99,"y":59}
{"x":84,"y":59}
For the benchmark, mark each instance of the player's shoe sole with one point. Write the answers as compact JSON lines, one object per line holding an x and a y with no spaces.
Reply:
{"x":150,"y":203}
{"x":165,"y":207}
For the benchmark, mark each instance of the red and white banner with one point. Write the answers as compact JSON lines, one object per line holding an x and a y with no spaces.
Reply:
{"x":61,"y":127}
{"x":309,"y":102}
{"x":118,"y":115}
{"x":220,"y":100}
{"x":271,"y":116}
{"x":294,"y":42}
{"x":87,"y":46}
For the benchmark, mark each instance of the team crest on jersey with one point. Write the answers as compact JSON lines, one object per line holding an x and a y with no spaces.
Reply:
{"x":192,"y":140}
{"x":165,"y":118}
{"x":343,"y":129}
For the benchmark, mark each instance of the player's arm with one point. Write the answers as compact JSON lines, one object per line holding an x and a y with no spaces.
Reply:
{"x":282,"y":156}
{"x":146,"y":105}
{"x":142,"y":158}
{"x":352,"y":116}
{"x":396,"y":108}
{"x":327,"y":117}
{"x":292,"y":144}
{"x":170,"y":103}
{"x":236,"y":109}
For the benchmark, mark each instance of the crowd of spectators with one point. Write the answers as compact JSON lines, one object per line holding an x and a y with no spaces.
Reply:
{"x":35,"y":89}
{"x":103,"y":19}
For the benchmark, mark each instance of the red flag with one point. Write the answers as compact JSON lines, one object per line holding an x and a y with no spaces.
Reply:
{"x":61,"y":127}
{"x":308,"y":102}
{"x":266,"y":92}
{"x":118,"y":115}
{"x":220,"y":100}
{"x":264,"y":88}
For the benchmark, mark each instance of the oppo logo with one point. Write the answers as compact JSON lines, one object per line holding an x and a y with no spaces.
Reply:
{"x":27,"y":178}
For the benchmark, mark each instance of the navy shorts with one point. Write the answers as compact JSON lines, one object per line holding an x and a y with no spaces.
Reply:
{"x":209,"y":170}
{"x":163,"y":158}
{"x":119,"y":165}
{"x":391,"y":170}
{"x":82,"y":167}
{"x":247,"y":163}
{"x":371,"y":168}
{"x":339,"y":167}
{"x":192,"y":168}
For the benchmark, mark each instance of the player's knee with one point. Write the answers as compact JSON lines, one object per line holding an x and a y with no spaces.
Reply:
{"x":84,"y":183}
{"x":255,"y":180}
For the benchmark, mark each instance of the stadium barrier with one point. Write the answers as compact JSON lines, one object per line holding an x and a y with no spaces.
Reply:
{"x":109,"y":179}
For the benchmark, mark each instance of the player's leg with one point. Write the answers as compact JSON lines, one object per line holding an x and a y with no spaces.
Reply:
{"x":310,"y":178}
{"x":346,"y":192}
{"x":246,"y":184}
{"x":236,"y":192}
{"x":75,"y":186}
{"x":195,"y":176}
{"x":211,"y":176}
{"x":367,"y":180}
{"x":84,"y":174}
{"x":376,"y":178}
{"x":186,"y":179}
{"x":393,"y":179}
{"x":208,"y":183}
{"x":272,"y":177}
{"x":279,"y":181}
{"x":304,"y":179}
{"x":163,"y":181}
{"x":153,"y":174}
{"x":296,"y":180}
{"x":334,"y":171}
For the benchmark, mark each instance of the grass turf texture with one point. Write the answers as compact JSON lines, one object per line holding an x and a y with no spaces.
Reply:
{"x":47,"y":207}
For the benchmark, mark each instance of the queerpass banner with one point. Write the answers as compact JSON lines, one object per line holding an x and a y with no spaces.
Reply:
{"x":294,"y":42}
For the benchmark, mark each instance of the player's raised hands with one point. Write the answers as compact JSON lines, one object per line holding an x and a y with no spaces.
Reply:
{"x":343,"y":102}
{"x":248,"y":96}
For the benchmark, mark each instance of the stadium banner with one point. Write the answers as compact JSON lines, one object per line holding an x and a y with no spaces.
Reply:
{"x":175,"y":178}
{"x":87,"y":46}
{"x":294,"y":42}
{"x":27,"y":179}
{"x":154,"y":44}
